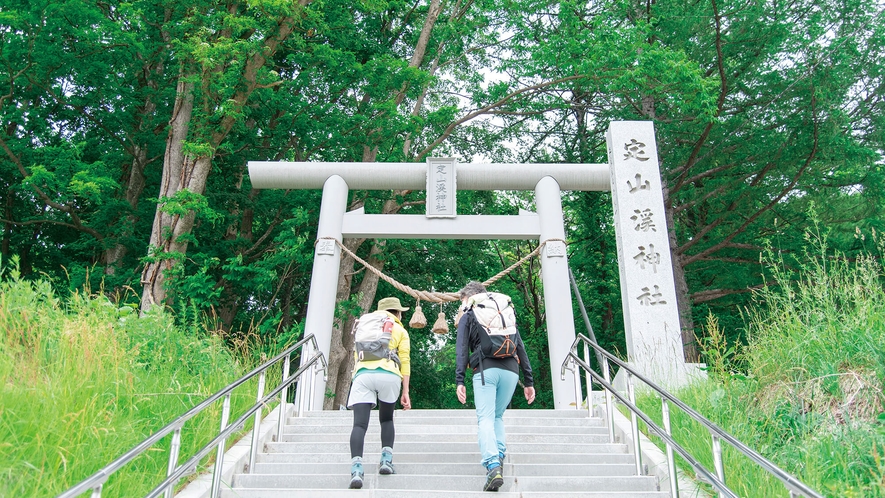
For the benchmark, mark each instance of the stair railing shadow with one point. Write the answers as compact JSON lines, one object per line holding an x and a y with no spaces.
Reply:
{"x":312,"y":361}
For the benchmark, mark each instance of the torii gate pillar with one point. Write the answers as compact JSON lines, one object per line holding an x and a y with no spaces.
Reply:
{"x":324,"y":277}
{"x":557,"y":292}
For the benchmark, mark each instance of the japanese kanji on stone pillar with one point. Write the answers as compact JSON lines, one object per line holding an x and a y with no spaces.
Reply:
{"x":648,"y":292}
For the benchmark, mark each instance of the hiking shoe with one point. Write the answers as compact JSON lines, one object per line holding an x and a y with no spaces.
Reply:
{"x":494,"y":479}
{"x":386,"y":465}
{"x":356,"y":474}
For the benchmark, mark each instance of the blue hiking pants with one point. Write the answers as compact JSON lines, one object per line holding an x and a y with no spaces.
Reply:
{"x":491,"y":400}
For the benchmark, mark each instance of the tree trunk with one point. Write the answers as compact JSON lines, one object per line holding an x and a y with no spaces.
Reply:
{"x":113,"y":256}
{"x":174,"y":177}
{"x":342,"y":355}
{"x":7,"y":226}
{"x":683,"y":302}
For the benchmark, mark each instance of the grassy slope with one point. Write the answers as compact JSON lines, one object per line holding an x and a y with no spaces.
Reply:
{"x":83,"y":382}
{"x":809,"y":395}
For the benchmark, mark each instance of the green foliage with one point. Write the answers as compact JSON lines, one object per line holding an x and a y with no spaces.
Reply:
{"x":92,"y":88}
{"x":196,"y":290}
{"x":718,"y":354}
{"x":83,"y":382}
{"x":184,"y":202}
{"x":593,"y":260}
{"x":432,"y":383}
{"x":827,"y":322}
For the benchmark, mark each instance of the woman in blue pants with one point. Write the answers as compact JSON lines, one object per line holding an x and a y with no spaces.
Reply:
{"x":494,"y":381}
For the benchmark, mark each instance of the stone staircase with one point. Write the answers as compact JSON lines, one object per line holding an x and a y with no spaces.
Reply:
{"x":558,"y":453}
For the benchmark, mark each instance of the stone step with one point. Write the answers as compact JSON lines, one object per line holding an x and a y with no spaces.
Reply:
{"x":442,"y":429}
{"x":459,"y":420}
{"x":448,"y":483}
{"x":393,"y":493}
{"x":373,"y":454}
{"x":551,"y":453}
{"x":440,"y":438}
{"x":464,"y":412}
{"x":449,"y":447}
{"x":435,"y":468}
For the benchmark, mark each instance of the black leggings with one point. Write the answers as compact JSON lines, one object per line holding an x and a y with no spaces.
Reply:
{"x":361,"y":412}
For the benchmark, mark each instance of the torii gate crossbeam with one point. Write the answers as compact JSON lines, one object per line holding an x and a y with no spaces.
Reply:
{"x":413,"y":176}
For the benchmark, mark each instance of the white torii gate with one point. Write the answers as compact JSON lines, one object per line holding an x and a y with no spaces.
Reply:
{"x":651,"y":319}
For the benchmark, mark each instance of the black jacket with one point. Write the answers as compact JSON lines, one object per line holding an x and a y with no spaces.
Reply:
{"x":467,"y":351}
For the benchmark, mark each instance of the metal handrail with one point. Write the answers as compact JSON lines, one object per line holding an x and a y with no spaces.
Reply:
{"x":96,"y":481}
{"x":670,"y":441}
{"x":791,"y":483}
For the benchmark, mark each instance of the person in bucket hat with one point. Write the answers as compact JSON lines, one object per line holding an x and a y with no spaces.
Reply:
{"x":379,"y":380}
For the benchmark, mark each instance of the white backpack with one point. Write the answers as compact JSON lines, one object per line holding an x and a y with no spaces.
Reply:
{"x":495,"y":314}
{"x":372,"y":333}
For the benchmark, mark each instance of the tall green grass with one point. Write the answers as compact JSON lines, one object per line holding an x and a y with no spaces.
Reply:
{"x":807,"y":390}
{"x":84,"y":381}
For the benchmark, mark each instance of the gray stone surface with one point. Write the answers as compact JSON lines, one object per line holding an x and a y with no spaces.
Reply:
{"x":551,"y":458}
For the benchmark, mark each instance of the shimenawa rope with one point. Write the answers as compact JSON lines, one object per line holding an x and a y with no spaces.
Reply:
{"x":432,"y":296}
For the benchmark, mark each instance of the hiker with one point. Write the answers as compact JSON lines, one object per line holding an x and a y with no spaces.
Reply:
{"x":495,"y":352}
{"x":382,"y":363}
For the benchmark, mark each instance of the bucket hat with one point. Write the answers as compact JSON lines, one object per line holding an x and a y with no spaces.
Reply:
{"x":390,"y":303}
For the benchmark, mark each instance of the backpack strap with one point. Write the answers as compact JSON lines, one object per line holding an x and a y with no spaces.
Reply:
{"x":472,"y":334}
{"x":393,"y":355}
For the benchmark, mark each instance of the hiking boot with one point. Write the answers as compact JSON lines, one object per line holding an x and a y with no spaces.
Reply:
{"x":356,"y":473}
{"x":494,"y":479}
{"x":386,"y":465}
{"x":501,"y":460}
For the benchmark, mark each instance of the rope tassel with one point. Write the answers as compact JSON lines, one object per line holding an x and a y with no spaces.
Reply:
{"x":441,"y":326}
{"x":418,"y":321}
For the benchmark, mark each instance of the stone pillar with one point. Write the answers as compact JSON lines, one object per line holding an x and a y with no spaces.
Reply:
{"x":648,"y":291}
{"x":557,"y":293}
{"x":324,"y":278}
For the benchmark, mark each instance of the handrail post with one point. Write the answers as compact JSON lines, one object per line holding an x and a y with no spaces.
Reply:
{"x":634,"y":423}
{"x":302,"y":395}
{"x":301,"y":388}
{"x":96,"y":491}
{"x":313,"y":385}
{"x":717,"y":461}
{"x":576,"y":373}
{"x":609,"y":406}
{"x":671,"y":463}
{"x":173,"y":459}
{"x":219,"y":456}
{"x":589,"y":380}
{"x":282,"y":414}
{"x":253,"y":447}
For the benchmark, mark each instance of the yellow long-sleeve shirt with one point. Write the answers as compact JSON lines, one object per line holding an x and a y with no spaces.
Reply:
{"x":399,"y":340}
